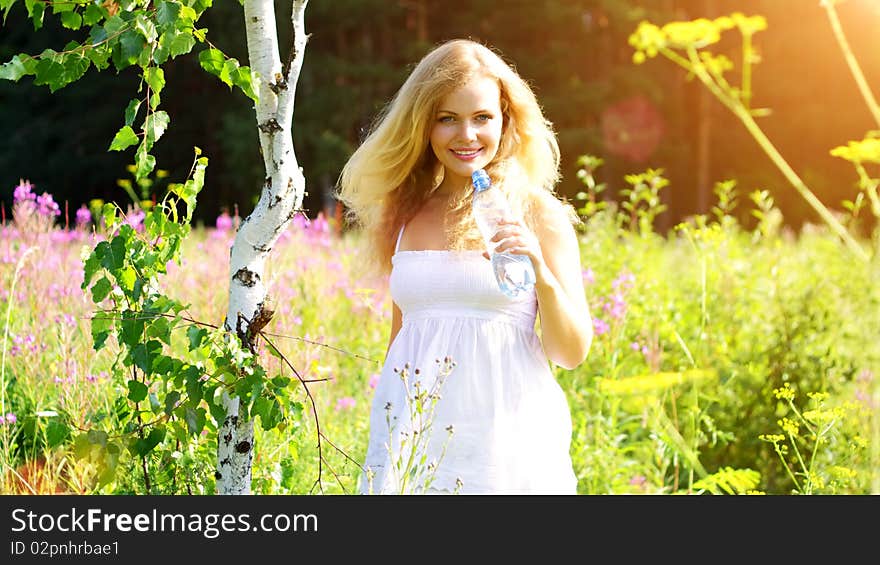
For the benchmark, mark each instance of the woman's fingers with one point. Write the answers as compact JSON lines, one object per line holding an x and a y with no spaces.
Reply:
{"x":514,"y":237}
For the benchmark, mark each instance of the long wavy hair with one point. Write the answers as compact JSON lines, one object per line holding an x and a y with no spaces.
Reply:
{"x":394,"y":170}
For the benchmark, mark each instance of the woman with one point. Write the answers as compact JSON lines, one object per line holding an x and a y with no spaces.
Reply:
{"x":466,"y":402}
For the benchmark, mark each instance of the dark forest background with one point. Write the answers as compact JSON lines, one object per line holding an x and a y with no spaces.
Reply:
{"x":574,"y":53}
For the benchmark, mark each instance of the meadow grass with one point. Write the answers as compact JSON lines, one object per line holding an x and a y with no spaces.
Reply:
{"x":725,"y":360}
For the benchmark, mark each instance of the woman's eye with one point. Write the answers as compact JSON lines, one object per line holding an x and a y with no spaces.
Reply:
{"x":446,"y":119}
{"x":484,"y":118}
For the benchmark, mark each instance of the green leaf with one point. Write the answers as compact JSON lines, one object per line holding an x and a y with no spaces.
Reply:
{"x":5,"y":5}
{"x":196,"y":335}
{"x":126,"y":278}
{"x":97,"y":437}
{"x":142,"y":446}
{"x":108,"y":464}
{"x":182,"y":43}
{"x":155,"y":125}
{"x":218,"y":412}
{"x":127,"y":50}
{"x":173,"y":43}
{"x":115,"y":259}
{"x":100,"y":290}
{"x":229,"y":67}
{"x":61,"y":7}
{"x":194,"y":385}
{"x":14,"y":69}
{"x":75,"y":64}
{"x":187,"y":16}
{"x":269,"y":411}
{"x":195,"y":419}
{"x":102,"y":325}
{"x":241,"y":77}
{"x":214,"y":62}
{"x":125,"y":137}
{"x":70,"y":20}
{"x":192,"y":187}
{"x":35,"y":9}
{"x":144,"y":162}
{"x":93,"y":14}
{"x":167,"y":12}
{"x":99,"y":56}
{"x":163,"y":365}
{"x":56,"y":431}
{"x":144,"y":354}
{"x":82,"y":446}
{"x":93,"y":263}
{"x":131,"y":328}
{"x":131,"y":112}
{"x":171,"y":401}
{"x":137,"y":390}
{"x":49,"y":72}
{"x":160,"y":328}
{"x":146,"y":28}
{"x":157,"y":434}
{"x":114,"y":25}
{"x":280,"y":381}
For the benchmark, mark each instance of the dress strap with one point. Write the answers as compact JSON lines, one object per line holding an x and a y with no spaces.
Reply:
{"x":399,"y":237}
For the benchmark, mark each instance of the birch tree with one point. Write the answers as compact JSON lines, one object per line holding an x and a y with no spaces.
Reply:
{"x":175,"y":370}
{"x":281,"y":198}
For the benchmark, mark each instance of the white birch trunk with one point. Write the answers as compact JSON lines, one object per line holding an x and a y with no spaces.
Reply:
{"x":281,"y":197}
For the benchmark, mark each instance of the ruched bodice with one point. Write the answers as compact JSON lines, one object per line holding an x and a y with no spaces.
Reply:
{"x":509,"y":419}
{"x":454,"y":284}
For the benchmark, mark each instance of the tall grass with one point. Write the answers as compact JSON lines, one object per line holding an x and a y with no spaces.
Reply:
{"x":726,"y":359}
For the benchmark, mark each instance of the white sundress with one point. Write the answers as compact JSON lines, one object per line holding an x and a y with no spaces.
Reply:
{"x":510,"y":420}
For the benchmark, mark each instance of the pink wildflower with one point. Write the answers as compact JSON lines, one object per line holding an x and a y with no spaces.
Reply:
{"x":224,"y":222}
{"x":83,"y":216}
{"x":23,"y":192}
{"x":345,"y":403}
{"x":589,"y":275}
{"x":47,"y":206}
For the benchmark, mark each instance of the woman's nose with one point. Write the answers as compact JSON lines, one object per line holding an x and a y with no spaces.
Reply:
{"x":468,"y":130}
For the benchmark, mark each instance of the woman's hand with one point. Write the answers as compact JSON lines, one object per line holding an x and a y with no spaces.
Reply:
{"x":514,"y":237}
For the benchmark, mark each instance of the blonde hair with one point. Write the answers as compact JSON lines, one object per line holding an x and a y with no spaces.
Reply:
{"x":393,"y":172}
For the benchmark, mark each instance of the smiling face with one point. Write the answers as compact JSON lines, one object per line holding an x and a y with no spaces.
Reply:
{"x":467,"y":130}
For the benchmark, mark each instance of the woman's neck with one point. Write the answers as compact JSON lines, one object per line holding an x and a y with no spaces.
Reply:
{"x":451,"y":184}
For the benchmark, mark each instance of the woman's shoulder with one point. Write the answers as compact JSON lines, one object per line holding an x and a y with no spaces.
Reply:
{"x":549,"y":209}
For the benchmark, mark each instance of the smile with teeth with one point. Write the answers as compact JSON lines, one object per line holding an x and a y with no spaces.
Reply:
{"x":465,"y":153}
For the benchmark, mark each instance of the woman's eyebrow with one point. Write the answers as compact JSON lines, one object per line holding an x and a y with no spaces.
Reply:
{"x":481,"y":111}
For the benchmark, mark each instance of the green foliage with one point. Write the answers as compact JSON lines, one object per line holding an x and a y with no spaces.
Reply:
{"x":729,"y":481}
{"x":679,"y":391}
{"x":138,"y":33}
{"x":674,"y":397}
{"x":798,"y":446}
{"x":175,"y":369}
{"x":228,"y":71}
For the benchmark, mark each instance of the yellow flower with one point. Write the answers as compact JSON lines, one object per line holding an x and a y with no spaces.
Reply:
{"x":789,"y":426}
{"x":866,"y":150}
{"x":785,"y":392}
{"x":749,"y":25}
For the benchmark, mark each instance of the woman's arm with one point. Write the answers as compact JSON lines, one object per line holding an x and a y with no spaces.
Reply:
{"x":566,"y":324}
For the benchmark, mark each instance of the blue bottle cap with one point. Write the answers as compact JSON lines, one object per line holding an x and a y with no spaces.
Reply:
{"x":481,"y":180}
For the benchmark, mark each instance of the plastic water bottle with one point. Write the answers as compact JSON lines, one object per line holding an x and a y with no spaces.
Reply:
{"x":514,"y":273}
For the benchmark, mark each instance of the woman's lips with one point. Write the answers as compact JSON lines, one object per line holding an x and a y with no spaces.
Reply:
{"x":466,"y":154}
